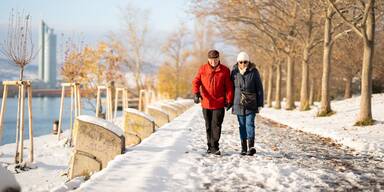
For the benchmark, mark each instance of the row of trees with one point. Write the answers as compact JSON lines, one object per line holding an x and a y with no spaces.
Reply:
{"x":326,"y":37}
{"x":333,"y":40}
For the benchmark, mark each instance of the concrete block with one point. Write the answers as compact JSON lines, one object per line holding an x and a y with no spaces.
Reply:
{"x":138,"y":123}
{"x":96,"y":142}
{"x":161,"y":117}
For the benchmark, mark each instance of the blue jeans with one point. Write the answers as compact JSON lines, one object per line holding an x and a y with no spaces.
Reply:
{"x":247,"y":126}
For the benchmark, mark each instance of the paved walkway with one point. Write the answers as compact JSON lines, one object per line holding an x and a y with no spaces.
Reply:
{"x":174,"y":159}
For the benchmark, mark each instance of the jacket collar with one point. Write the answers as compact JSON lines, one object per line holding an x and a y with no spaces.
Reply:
{"x":217,"y":68}
{"x":250,"y":67}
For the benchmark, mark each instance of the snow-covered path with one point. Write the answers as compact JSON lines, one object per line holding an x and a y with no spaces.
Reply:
{"x":174,"y":159}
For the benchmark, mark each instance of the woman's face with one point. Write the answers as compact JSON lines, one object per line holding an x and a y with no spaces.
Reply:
{"x":243,"y":64}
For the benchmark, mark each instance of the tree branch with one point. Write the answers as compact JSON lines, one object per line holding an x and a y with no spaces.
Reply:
{"x":352,"y":25}
{"x":339,"y":35}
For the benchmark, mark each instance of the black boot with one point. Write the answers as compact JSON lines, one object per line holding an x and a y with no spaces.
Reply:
{"x":209,"y":150}
{"x":215,"y":151}
{"x":243,"y":147}
{"x":251,"y":144}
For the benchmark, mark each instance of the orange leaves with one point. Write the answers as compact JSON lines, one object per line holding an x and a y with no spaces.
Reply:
{"x":92,"y":66}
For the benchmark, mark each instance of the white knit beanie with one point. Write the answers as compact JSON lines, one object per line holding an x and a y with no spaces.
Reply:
{"x":243,"y":56}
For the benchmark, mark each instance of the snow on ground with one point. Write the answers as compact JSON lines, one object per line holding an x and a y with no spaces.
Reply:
{"x":340,"y":126}
{"x":174,"y":159}
{"x":51,"y":163}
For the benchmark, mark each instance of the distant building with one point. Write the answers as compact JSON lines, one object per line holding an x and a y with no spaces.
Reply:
{"x":47,"y":56}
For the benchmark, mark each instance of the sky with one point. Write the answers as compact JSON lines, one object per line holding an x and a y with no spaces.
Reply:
{"x":93,"y":20}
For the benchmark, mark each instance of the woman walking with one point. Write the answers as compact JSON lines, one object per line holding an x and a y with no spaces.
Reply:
{"x":248,"y":99}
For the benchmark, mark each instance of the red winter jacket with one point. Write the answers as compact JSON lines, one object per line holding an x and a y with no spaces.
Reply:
{"x":216,"y":86}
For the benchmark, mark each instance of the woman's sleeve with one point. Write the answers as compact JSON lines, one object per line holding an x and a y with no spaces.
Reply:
{"x":260,"y":91}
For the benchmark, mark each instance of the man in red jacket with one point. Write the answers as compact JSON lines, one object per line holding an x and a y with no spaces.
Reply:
{"x":212,"y":84}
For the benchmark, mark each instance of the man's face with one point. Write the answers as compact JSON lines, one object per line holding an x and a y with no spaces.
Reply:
{"x":214,"y":62}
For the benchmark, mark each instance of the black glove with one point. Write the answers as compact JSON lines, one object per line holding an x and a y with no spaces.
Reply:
{"x":197,"y":98}
{"x":228,"y":106}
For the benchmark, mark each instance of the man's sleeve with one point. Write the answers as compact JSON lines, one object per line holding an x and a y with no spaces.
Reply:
{"x":229,"y":88}
{"x":196,"y":82}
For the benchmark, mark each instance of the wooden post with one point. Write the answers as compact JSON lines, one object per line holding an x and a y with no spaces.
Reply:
{"x":75,"y":105}
{"x":71,"y":116}
{"x":109,"y":103}
{"x":78,"y":98}
{"x":21,"y":146}
{"x":140,"y":100}
{"x":98,"y":102}
{"x":116,"y":102}
{"x":22,"y":86}
{"x":29,"y":88}
{"x":75,"y":100}
{"x":18,"y":125}
{"x":3,"y":108}
{"x":61,"y":111}
{"x":125,"y":98}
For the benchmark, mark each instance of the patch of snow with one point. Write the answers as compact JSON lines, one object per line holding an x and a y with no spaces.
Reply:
{"x":70,"y":185}
{"x":340,"y":126}
{"x":51,"y":160}
{"x":157,"y":108}
{"x":103,"y":123}
{"x":140,"y":113}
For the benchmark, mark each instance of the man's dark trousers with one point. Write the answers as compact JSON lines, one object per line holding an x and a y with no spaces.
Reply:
{"x":213,"y":120}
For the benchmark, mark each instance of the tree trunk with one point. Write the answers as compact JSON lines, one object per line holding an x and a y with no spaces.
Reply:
{"x":270,"y":81}
{"x":311,"y":92}
{"x":348,"y":88}
{"x":177,"y":91}
{"x":290,"y":101}
{"x":304,"y":97}
{"x":137,"y":72}
{"x":278,"y":87}
{"x":325,"y":106}
{"x":21,"y":73}
{"x":264,"y":78}
{"x":365,"y":115}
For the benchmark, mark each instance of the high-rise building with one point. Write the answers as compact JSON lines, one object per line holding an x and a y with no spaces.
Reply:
{"x":47,"y":55}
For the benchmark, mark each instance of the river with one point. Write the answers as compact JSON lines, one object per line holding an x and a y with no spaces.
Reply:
{"x":44,"y":111}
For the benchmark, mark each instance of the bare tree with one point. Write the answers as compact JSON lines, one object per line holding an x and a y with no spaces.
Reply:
{"x":362,"y":19}
{"x":135,"y":30}
{"x":175,"y":50}
{"x":330,"y":36}
{"x":18,"y":46}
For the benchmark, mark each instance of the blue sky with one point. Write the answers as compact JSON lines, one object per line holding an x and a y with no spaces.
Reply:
{"x":94,"y":19}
